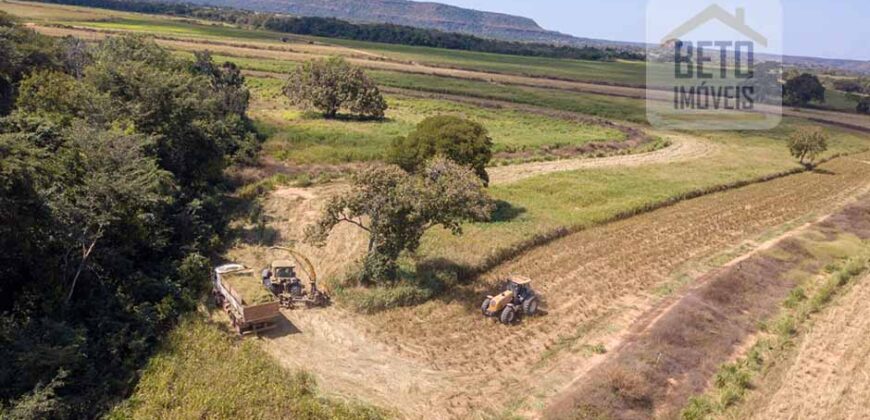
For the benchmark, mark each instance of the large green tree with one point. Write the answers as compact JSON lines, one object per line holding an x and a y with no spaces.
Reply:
{"x":802,"y":89}
{"x":462,"y":141}
{"x":332,"y":85}
{"x":396,"y":209}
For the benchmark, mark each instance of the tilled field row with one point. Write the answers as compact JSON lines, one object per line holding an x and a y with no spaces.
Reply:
{"x":591,"y":278}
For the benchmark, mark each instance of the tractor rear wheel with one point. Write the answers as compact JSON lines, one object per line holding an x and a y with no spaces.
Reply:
{"x":485,"y":307}
{"x":508,"y":315}
{"x":530,"y":307}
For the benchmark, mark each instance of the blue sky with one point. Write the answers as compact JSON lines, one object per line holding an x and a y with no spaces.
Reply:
{"x":818,"y":28}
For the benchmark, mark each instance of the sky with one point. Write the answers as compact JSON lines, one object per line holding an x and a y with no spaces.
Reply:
{"x":816,"y":28}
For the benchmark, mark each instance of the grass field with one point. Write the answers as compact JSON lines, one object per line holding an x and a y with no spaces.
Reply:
{"x":202,"y":372}
{"x":302,"y":137}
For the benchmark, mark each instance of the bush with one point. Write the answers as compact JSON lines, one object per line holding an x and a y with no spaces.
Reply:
{"x":630,"y":387}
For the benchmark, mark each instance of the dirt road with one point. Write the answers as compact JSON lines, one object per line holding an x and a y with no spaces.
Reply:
{"x":683,"y":147}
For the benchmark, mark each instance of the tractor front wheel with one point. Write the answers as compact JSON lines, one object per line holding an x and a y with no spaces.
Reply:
{"x":485,"y":307}
{"x":508,"y":315}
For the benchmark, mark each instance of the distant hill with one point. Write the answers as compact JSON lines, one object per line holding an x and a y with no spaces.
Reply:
{"x":419,"y":14}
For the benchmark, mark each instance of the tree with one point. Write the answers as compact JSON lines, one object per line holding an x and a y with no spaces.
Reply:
{"x":332,"y":85}
{"x":806,"y":144}
{"x":802,"y":89}
{"x":462,"y":141}
{"x":396,"y":209}
{"x":863,"y":106}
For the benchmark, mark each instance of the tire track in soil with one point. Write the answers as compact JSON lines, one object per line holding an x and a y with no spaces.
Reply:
{"x":595,"y":283}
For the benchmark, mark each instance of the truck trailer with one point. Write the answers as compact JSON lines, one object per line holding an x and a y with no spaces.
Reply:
{"x":252,"y":309}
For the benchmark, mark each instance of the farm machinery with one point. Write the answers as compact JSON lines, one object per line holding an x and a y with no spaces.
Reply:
{"x":517,"y":299}
{"x":282,"y":280}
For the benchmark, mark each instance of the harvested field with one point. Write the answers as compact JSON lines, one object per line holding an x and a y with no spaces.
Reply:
{"x":596,"y":283}
{"x":828,"y":376}
{"x":673,"y":352}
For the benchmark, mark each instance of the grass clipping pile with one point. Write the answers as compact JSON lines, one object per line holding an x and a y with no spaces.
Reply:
{"x":248,"y":288}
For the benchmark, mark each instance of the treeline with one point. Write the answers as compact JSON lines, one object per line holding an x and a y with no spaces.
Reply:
{"x":112,"y":189}
{"x":335,"y":28}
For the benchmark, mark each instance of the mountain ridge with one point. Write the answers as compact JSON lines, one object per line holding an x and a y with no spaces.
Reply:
{"x":430,"y":15}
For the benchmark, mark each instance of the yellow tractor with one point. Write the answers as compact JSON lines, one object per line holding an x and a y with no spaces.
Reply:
{"x":518,"y":298}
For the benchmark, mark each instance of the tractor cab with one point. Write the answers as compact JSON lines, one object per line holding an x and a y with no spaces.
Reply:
{"x":281,"y":277}
{"x":521,"y":288}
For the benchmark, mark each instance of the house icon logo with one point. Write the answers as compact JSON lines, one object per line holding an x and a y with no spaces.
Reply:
{"x":737,"y":21}
{"x":714,"y":64}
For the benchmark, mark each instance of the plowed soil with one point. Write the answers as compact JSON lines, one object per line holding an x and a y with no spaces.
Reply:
{"x":443,"y":360}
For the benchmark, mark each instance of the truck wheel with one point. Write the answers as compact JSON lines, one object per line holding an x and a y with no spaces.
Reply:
{"x":485,"y":307}
{"x":508,"y":315}
{"x":530,"y":307}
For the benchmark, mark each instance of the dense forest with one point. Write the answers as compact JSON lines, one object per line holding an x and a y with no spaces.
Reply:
{"x":112,"y":202}
{"x":335,"y":28}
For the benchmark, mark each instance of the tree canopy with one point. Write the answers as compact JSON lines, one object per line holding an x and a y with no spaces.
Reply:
{"x":462,"y":141}
{"x":802,"y":89}
{"x":111,"y":185}
{"x":331,"y":85}
{"x":396,"y":209}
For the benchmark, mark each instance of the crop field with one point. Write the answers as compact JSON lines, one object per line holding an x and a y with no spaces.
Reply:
{"x":617,"y":244}
{"x":300,"y":137}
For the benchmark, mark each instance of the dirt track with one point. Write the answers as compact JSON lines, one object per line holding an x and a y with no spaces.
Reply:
{"x":683,"y":148}
{"x":440,"y":358}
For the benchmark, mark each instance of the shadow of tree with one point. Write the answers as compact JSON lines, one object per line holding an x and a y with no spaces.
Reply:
{"x":505,"y":211}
